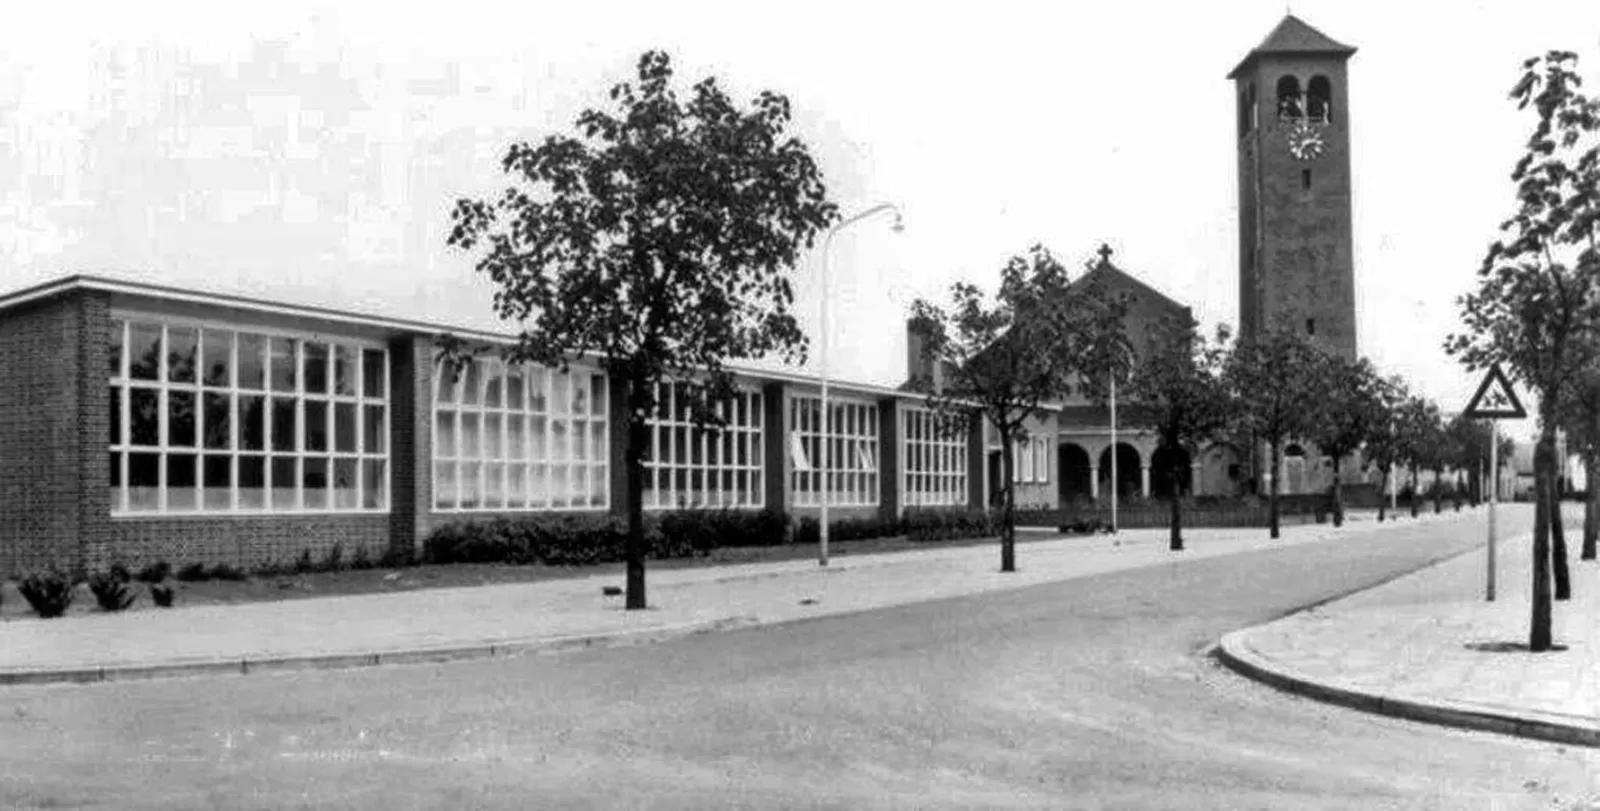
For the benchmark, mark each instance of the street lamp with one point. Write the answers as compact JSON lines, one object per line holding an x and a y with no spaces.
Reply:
{"x":827,"y":246}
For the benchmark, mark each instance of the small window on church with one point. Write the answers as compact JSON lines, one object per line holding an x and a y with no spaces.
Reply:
{"x":1311,"y":326}
{"x":1305,"y":178}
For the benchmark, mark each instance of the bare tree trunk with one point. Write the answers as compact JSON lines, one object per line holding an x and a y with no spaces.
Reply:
{"x":1272,"y":494}
{"x":1438,"y":490}
{"x":1539,"y":624}
{"x":1383,"y":490}
{"x":1175,"y":543}
{"x":1558,"y":543}
{"x":1415,"y":496}
{"x":1591,"y":505}
{"x":1338,"y":496}
{"x":1008,"y":514}
{"x":638,"y":438}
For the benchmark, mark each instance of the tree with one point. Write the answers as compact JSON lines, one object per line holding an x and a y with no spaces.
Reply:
{"x":1383,"y":449}
{"x":1417,"y":419}
{"x":1537,"y":305}
{"x":1273,"y":382}
{"x":1580,"y":418}
{"x":659,"y":239}
{"x":1002,"y":361}
{"x":1348,"y":413}
{"x":1176,"y":391}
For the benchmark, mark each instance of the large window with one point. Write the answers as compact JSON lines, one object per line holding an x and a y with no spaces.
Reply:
{"x":519,"y":438}
{"x":690,"y":467}
{"x":1030,"y":459}
{"x":851,"y":478}
{"x":211,"y":419}
{"x":934,"y":460}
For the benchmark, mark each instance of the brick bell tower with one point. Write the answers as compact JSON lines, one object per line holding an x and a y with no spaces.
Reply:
{"x":1296,"y":268}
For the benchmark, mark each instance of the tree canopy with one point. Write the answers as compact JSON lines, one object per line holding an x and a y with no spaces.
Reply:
{"x":1002,"y":360}
{"x":657,"y":239}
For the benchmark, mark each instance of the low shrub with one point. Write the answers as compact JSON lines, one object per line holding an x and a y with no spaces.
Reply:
{"x":49,"y":593}
{"x":361,"y":560}
{"x":587,"y":540}
{"x":1086,"y":526}
{"x":304,"y":564}
{"x":120,"y":572}
{"x":161,"y":595}
{"x":947,"y":524}
{"x":155,"y":572}
{"x":809,"y":530}
{"x":223,"y":571}
{"x":397,"y":558}
{"x":689,"y":532}
{"x":194,"y":573}
{"x":334,"y":562}
{"x":110,"y":590}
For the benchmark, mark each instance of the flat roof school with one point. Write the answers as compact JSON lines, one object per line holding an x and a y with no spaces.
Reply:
{"x":140,"y":422}
{"x":143,"y":423}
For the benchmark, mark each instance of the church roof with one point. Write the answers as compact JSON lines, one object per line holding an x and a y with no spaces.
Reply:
{"x":1294,"y":37}
{"x":1113,"y":276}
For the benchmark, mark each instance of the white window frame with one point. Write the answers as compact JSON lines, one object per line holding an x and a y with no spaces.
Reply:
{"x":719,"y":477}
{"x":933,"y":465}
{"x":1041,"y":460}
{"x":854,"y":444}
{"x":361,"y":401}
{"x":538,"y":494}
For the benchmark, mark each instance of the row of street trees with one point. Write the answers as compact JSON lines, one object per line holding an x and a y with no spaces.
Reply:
{"x":1536,"y":310}
{"x":1043,"y":337}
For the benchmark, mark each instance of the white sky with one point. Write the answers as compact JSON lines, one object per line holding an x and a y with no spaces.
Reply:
{"x":994,"y":126}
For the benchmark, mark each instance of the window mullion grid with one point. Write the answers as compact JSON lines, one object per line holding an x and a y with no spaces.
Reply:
{"x":162,"y":448}
{"x":360,"y":381}
{"x":125,"y":394}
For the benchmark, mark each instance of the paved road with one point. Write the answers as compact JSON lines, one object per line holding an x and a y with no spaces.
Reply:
{"x":1093,"y":693}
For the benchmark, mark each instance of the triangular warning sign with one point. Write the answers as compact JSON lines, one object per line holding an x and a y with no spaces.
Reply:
{"x":1495,"y":399}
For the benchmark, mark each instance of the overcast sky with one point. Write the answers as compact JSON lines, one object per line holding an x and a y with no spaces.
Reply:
{"x":158,"y":139}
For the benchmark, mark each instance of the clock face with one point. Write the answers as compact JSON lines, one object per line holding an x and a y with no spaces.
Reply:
{"x":1305,"y":142}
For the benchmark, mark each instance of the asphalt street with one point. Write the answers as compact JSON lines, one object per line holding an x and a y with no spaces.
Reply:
{"x":1094,"y":693}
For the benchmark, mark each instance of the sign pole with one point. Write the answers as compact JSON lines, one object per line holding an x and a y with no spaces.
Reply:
{"x":1114,"y":453}
{"x":1494,"y":498}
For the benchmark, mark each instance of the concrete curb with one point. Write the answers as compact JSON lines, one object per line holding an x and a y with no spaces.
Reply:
{"x":348,"y":660}
{"x":1234,"y":651}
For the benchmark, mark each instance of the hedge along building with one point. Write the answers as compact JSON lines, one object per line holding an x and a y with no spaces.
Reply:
{"x":143,"y":423}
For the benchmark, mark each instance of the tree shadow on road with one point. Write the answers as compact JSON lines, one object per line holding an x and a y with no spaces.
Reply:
{"x":1507,"y":647}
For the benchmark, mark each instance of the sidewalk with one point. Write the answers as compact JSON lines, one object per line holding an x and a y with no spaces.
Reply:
{"x":462,"y":623}
{"x":1428,"y":647}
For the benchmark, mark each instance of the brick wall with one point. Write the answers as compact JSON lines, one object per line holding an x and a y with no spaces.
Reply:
{"x":41,"y":441}
{"x":245,"y":541}
{"x":1305,"y":259}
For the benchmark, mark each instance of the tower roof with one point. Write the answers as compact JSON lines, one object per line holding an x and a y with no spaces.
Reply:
{"x":1293,"y":36}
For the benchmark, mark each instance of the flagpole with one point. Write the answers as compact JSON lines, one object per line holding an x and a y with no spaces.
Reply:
{"x":1113,"y":452}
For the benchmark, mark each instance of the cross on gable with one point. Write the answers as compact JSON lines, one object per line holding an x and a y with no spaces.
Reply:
{"x":1105,"y":254}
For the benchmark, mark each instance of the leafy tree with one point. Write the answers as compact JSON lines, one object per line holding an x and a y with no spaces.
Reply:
{"x":1002,"y":361}
{"x":1437,"y":455}
{"x":658,"y":239}
{"x":1418,"y":418}
{"x":1176,"y":391}
{"x":1348,"y":413}
{"x":1273,"y":381}
{"x":1580,"y":418}
{"x":1537,"y":306}
{"x":1383,"y":449}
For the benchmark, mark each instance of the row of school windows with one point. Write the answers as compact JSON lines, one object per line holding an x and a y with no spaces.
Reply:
{"x":207,"y":418}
